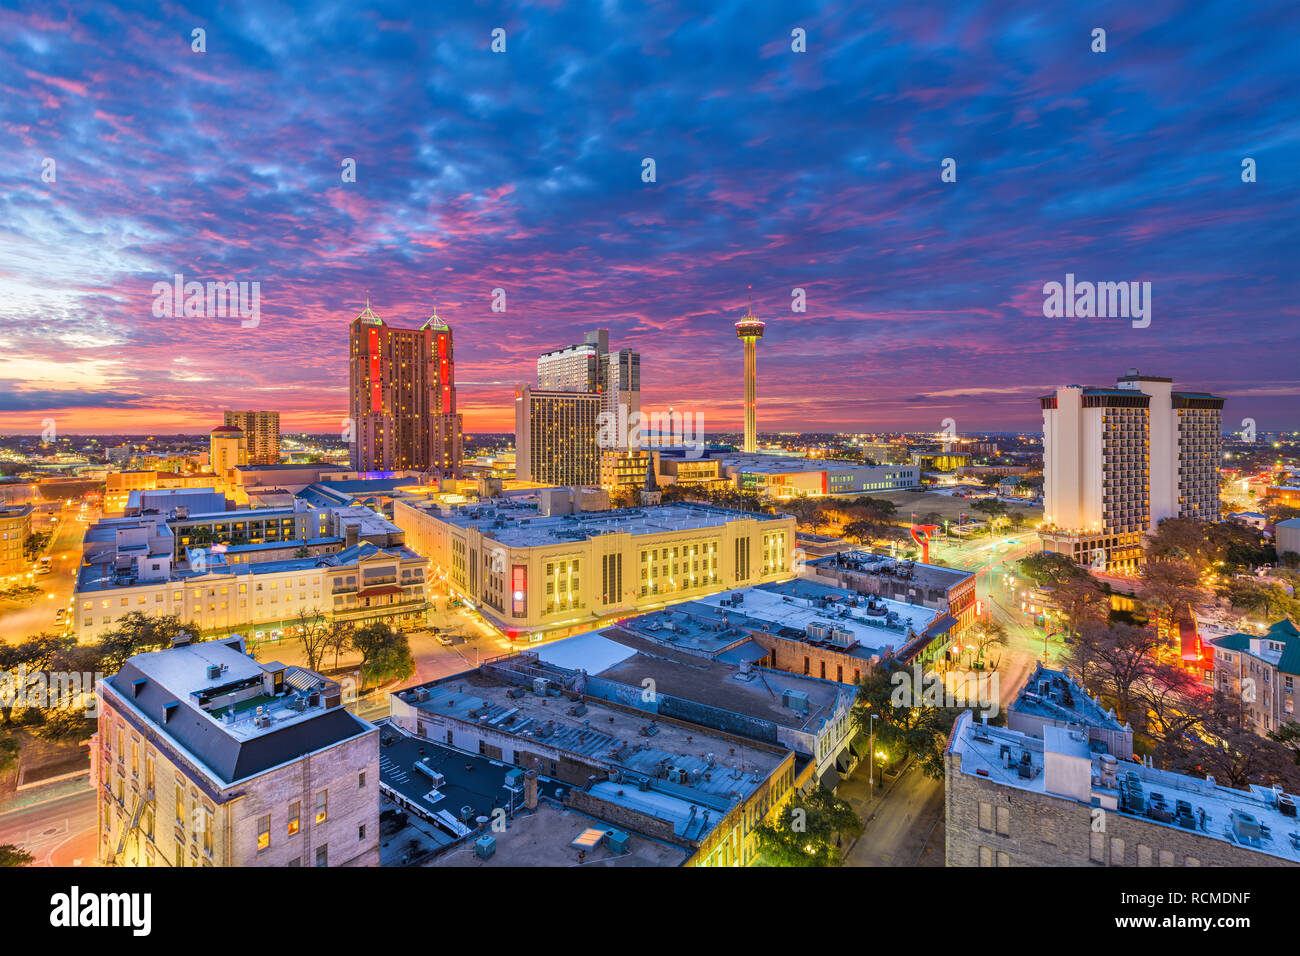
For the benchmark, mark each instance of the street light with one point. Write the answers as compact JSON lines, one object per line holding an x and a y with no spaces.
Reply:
{"x":871,"y":767}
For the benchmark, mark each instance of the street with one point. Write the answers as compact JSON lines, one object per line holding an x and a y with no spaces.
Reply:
{"x":904,"y":820}
{"x":60,"y":832}
{"x":19,"y":622}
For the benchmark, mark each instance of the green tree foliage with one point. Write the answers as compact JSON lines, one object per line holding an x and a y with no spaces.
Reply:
{"x":809,"y":830}
{"x":136,"y":633}
{"x":906,"y":724}
{"x":11,"y":855}
{"x":385,"y":653}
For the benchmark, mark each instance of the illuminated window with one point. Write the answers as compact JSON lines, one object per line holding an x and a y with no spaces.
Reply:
{"x":322,"y":806}
{"x":263,"y":832}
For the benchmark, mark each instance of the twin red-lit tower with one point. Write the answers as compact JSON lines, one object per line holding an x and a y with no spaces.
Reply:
{"x":402,"y":397}
{"x":749,"y":330}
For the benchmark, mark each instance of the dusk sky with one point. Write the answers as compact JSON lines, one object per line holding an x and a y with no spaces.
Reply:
{"x":522,"y":170}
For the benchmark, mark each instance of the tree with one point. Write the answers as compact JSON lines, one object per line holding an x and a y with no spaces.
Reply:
{"x":1115,"y":661}
{"x":135,"y":633}
{"x":986,"y":635}
{"x":906,"y":724}
{"x":1233,"y":754}
{"x":990,"y":506}
{"x":863,"y":532}
{"x":1169,"y":586}
{"x":313,"y":631}
{"x":385,"y":653}
{"x":807,"y":832}
{"x":11,"y":855}
{"x":338,"y":639}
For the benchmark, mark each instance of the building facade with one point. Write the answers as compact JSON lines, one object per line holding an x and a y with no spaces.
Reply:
{"x":1011,"y":799}
{"x":402,"y":397}
{"x":530,"y":574}
{"x":264,"y":600}
{"x":204,"y":757}
{"x":228,"y":450}
{"x":555,"y":436}
{"x":1261,"y":671}
{"x":15,"y":529}
{"x":262,"y":433}
{"x":1117,"y":461}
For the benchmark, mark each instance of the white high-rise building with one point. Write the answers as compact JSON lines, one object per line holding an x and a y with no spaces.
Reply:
{"x":1119,"y":460}
{"x":591,"y":367}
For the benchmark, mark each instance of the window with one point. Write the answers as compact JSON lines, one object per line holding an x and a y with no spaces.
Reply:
{"x":361,"y":779}
{"x":1004,"y":821}
{"x":361,"y":832}
{"x":322,"y":855}
{"x":322,"y":807}
{"x":263,"y":832}
{"x":294,"y":814}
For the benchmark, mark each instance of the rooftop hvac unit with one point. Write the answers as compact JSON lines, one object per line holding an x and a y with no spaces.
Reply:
{"x":817,"y":631}
{"x":485,"y":846}
{"x":842,"y":637}
{"x":214,"y":671}
{"x":796,"y":700}
{"x":540,"y":686}
{"x":1245,"y":828}
{"x":618,"y":841}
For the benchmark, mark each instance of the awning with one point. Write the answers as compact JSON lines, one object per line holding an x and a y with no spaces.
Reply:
{"x":830,"y":779}
{"x":844,"y":760}
{"x":381,"y":589}
{"x":861,"y":744}
{"x":746,"y":652}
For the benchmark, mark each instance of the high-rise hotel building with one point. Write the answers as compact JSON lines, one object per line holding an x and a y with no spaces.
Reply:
{"x":403,"y":397}
{"x":555,"y":436}
{"x":591,"y":367}
{"x":1117,"y":461}
{"x":261,"y":431}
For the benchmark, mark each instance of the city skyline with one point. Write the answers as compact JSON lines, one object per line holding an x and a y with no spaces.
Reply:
{"x":818,"y":171}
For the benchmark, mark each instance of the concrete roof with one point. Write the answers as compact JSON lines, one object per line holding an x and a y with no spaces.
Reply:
{"x":521,"y":526}
{"x":983,"y":757}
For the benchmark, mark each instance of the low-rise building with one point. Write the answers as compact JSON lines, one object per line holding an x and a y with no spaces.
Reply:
{"x":15,"y":529}
{"x":1052,"y":698}
{"x":778,"y":476}
{"x":204,"y":757}
{"x":1260,"y":670}
{"x":676,"y":663}
{"x":950,"y":590}
{"x":129,"y":566}
{"x":1011,"y":799}
{"x":531,"y":574}
{"x":1287,"y":537}
{"x":682,"y":783}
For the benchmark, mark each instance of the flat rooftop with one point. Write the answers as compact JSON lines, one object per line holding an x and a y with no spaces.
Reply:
{"x":786,"y":609}
{"x":981,"y":750}
{"x":1053,"y":694}
{"x":546,"y":838}
{"x":718,"y":770}
{"x":520,"y":525}
{"x":884,"y":566}
{"x":718,"y":684}
{"x":471,"y":786}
